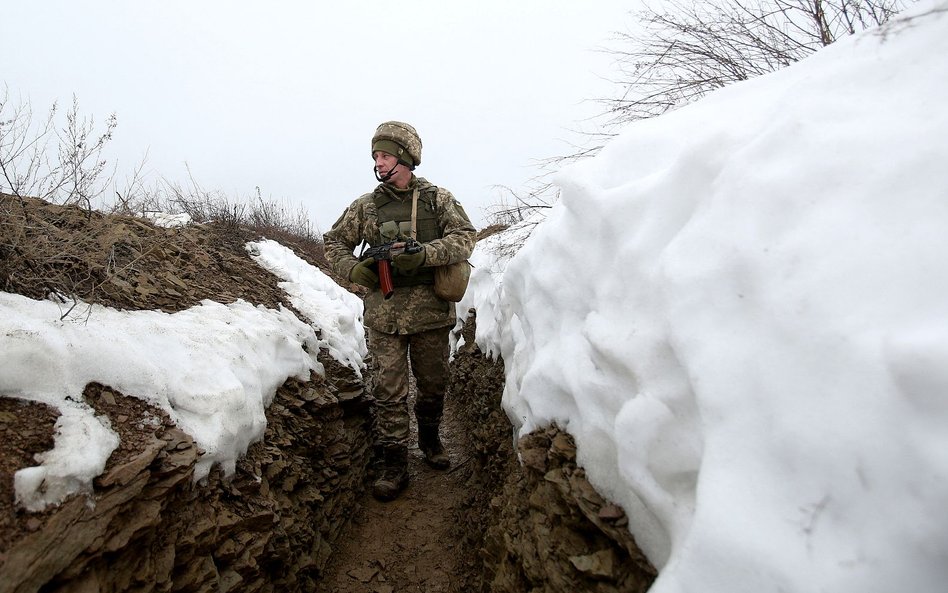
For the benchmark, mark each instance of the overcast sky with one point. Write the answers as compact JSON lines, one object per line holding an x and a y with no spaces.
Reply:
{"x":286,"y":95}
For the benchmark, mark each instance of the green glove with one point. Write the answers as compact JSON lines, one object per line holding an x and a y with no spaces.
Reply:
{"x":362,"y":274}
{"x":409,"y":262}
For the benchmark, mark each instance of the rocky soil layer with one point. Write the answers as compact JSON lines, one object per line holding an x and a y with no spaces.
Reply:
{"x":539,"y":525}
{"x":148,"y":527}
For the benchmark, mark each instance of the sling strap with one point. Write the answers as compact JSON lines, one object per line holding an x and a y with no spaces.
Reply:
{"x":414,"y":214}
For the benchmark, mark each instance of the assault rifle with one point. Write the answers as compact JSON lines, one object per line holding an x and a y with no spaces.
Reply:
{"x":383,"y":254}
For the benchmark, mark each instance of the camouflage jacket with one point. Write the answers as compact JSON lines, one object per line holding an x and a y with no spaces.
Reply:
{"x":449,"y":237}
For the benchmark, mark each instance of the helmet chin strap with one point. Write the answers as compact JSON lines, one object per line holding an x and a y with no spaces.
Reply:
{"x":387,"y":176}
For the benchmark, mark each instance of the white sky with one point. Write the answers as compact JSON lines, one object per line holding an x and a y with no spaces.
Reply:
{"x":286,"y":95}
{"x":759,"y":381}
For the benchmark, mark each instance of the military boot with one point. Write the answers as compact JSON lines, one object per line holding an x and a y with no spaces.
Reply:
{"x":430,"y":444}
{"x":394,"y":476}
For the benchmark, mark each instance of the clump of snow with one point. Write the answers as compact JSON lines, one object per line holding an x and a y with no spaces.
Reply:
{"x":168,"y":220}
{"x":739,"y":311}
{"x":334,"y":311}
{"x":83,"y":443}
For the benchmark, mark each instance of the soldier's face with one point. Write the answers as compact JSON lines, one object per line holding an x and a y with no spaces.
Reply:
{"x":384,"y":162}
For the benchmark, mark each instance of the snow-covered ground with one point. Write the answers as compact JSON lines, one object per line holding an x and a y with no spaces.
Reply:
{"x":739,"y":310}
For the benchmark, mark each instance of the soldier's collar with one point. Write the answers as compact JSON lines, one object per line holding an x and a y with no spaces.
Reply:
{"x":398,"y":193}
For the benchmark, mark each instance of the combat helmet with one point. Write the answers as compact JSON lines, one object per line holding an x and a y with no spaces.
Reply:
{"x":400,"y":140}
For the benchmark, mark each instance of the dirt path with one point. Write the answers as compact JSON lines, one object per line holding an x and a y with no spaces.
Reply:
{"x":410,"y":544}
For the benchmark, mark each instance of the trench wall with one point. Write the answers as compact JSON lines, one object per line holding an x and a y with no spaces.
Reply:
{"x":547,"y":529}
{"x":531,"y":523}
{"x":148,"y":528}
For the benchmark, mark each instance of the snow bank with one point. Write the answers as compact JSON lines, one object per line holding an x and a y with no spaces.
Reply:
{"x":740,"y":311}
{"x":335,"y":312}
{"x":213,"y":368}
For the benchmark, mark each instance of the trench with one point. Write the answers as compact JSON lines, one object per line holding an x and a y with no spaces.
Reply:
{"x":490,"y":523}
{"x":297,"y":516}
{"x":412,"y":543}
{"x":431,"y":537}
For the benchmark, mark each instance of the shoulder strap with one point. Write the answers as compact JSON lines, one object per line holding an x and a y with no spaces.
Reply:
{"x":414,"y":214}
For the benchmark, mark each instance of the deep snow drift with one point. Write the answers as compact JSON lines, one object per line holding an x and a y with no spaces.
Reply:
{"x":740,"y":311}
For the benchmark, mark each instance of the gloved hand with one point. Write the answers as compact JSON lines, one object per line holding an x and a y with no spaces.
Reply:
{"x":409,"y":262}
{"x":362,"y":274}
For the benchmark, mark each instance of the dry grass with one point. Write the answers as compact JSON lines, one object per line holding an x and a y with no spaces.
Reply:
{"x":73,"y":254}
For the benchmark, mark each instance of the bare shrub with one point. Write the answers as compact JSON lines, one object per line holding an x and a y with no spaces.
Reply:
{"x":269,"y":214}
{"x":680,"y":51}
{"x":685,"y":50}
{"x":45,"y":257}
{"x":513,"y":207}
{"x":136,"y":196}
{"x":60,"y":165}
{"x":50,"y":172}
{"x":205,"y":206}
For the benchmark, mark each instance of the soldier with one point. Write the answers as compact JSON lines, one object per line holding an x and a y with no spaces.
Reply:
{"x":410,"y":329}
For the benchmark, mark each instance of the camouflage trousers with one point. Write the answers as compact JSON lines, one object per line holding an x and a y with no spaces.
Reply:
{"x":426,"y":353}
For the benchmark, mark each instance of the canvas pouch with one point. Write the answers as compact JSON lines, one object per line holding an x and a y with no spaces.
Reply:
{"x":450,"y":281}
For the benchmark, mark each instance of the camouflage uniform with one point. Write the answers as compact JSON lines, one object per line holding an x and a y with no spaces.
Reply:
{"x":413,"y":320}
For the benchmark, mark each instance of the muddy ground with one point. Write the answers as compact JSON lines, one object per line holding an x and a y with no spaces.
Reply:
{"x":411,"y":543}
